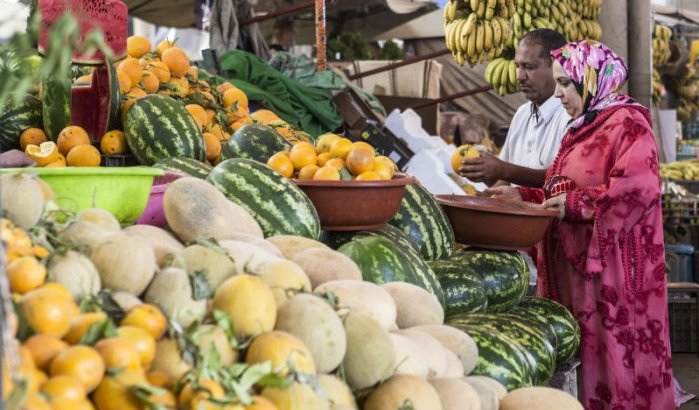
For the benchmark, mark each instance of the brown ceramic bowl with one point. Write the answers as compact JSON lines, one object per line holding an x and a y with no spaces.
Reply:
{"x":495,"y":224}
{"x":355,"y":205}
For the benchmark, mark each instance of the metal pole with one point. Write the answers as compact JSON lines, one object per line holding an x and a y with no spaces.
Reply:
{"x":320,"y":35}
{"x":279,"y":12}
{"x":452,"y":97}
{"x":399,"y":64}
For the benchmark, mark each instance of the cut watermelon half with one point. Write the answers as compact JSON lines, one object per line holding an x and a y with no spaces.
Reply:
{"x":111,"y":16}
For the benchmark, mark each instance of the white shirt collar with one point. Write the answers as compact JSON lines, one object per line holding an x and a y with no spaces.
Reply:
{"x":546,"y":110}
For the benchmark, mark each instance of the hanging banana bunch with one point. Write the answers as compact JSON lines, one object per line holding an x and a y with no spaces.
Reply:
{"x":477,"y":30}
{"x":657,"y":87}
{"x":661,"y":45}
{"x":501,"y":74}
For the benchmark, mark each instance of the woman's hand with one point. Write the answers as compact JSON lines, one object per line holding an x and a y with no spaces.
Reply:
{"x":558,"y":203}
{"x":504,"y":192}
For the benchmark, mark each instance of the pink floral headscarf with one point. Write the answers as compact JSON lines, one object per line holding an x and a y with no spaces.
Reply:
{"x":597,"y":72}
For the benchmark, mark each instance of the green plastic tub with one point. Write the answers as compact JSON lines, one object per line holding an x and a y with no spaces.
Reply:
{"x":123,"y":191}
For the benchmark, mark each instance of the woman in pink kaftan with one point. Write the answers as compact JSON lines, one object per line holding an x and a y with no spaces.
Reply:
{"x":604,"y":259}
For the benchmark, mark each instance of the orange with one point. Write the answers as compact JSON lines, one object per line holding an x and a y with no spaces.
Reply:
{"x":210,"y":116}
{"x":265,"y":116}
{"x":66,"y":404}
{"x":282,"y":164}
{"x":193,"y":72}
{"x":364,"y":145}
{"x":323,"y":158}
{"x":82,"y":362}
{"x":360,"y":159}
{"x":176,"y":60}
{"x":238,"y":124}
{"x":113,"y":143}
{"x":159,"y":379}
{"x":327,"y":173}
{"x":84,"y":155}
{"x":32,"y":136}
{"x":150,"y":81}
{"x":163,"y":399}
{"x":163,"y":45}
{"x":341,"y":148}
{"x":148,"y":317}
{"x":46,"y":311}
{"x":124,"y":81}
{"x":302,"y":157}
{"x":234,"y":95}
{"x":43,"y":154}
{"x":80,"y":324}
{"x":368,"y":176}
{"x":176,"y":87}
{"x":326,"y":141}
{"x":58,"y":289}
{"x":213,"y":146}
{"x":384,"y":170}
{"x":463,"y":152}
{"x":36,"y":401}
{"x":132,"y":68}
{"x":206,"y":388}
{"x":387,"y":161}
{"x":298,"y":145}
{"x":260,"y":403}
{"x":198,"y":113}
{"x":64,"y":387}
{"x":308,"y":171}
{"x":142,"y":340}
{"x":137,"y":46}
{"x":70,"y":137}
{"x":221,"y":88}
{"x":60,"y":162}
{"x":337,"y":163}
{"x":129,"y":99}
{"x":160,"y":70}
{"x":25,"y":274}
{"x":119,"y":353}
{"x":44,"y":348}
{"x":113,"y":393}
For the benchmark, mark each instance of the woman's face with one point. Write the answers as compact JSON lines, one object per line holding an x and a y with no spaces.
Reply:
{"x":566,"y":92}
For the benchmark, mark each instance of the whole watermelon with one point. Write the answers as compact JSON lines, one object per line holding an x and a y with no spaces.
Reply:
{"x":254,"y":141}
{"x":158,"y":127}
{"x":464,"y":289}
{"x":505,"y":276}
{"x":14,"y":119}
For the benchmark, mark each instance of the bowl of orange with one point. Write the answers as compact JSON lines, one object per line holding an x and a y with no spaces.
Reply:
{"x":123,"y":191}
{"x":355,"y":205}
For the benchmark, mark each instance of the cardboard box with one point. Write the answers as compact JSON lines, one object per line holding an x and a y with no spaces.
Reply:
{"x":429,"y":114}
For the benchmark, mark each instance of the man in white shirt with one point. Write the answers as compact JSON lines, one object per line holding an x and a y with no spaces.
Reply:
{"x":537,"y":127}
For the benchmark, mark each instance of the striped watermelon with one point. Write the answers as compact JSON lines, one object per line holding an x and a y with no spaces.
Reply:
{"x":278,"y":205}
{"x":505,"y":276}
{"x":57,"y":96}
{"x":531,"y":338}
{"x":188,"y":166}
{"x":254,"y":141}
{"x":535,"y":320}
{"x":464,"y":290}
{"x":566,"y":327}
{"x":421,"y":217}
{"x":335,"y":239}
{"x":159,"y":127}
{"x":499,"y":356}
{"x":15,"y":119}
{"x":382,"y":260}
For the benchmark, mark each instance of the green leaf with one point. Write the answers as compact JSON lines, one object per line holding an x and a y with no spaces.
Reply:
{"x":144,"y":393}
{"x":201,"y":289}
{"x":407,"y":404}
{"x":18,"y":395}
{"x":224,"y":322}
{"x":109,"y":306}
{"x":345,"y":175}
{"x":103,"y":329}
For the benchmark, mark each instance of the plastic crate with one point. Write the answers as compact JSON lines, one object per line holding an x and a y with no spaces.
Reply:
{"x":124,"y":160}
{"x":683,"y":324}
{"x":680,"y":261}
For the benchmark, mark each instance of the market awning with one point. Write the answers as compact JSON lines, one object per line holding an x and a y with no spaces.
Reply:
{"x":430,"y":25}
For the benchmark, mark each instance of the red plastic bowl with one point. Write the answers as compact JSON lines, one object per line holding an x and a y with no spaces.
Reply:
{"x":495,"y":224}
{"x":154,"y":213}
{"x":355,"y":205}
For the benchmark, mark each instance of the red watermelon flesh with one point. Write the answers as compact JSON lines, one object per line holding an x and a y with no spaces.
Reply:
{"x":111,"y":16}
{"x":96,"y":107}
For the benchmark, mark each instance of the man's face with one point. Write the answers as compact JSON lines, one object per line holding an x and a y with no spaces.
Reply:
{"x":534,"y":73}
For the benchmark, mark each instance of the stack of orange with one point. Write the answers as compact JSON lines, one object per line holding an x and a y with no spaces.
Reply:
{"x":333,"y":158}
{"x":72,"y":148}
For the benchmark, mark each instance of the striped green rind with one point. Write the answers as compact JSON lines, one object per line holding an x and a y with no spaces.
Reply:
{"x":566,"y":327}
{"x":382,"y":260}
{"x":505,"y":276}
{"x":57,"y":97}
{"x":499,"y":356}
{"x":276,"y":203}
{"x":530,"y":337}
{"x":114,"y":120}
{"x":254,"y":141}
{"x":15,"y":119}
{"x":464,"y":290}
{"x":159,"y":127}
{"x":189,"y":166}
{"x":423,"y":220}
{"x":535,"y":320}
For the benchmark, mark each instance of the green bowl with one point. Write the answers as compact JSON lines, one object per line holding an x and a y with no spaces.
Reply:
{"x":123,"y":191}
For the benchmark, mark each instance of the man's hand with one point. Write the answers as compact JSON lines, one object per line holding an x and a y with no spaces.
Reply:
{"x":504,"y":192}
{"x":486,"y":168}
{"x":558,"y":203}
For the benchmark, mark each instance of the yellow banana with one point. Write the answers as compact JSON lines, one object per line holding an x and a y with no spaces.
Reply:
{"x":480,"y":37}
{"x":456,"y":35}
{"x":481,"y":9}
{"x":516,"y":23}
{"x":488,"y":71}
{"x":555,"y":14}
{"x":447,"y":34}
{"x":505,"y":28}
{"x":487,"y":36}
{"x":512,"y":74}
{"x":474,"y":5}
{"x":471,"y":45}
{"x":497,"y":32}
{"x":496,"y":73}
{"x":462,"y":37}
{"x":489,"y":13}
{"x":470,"y":24}
{"x":505,"y":73}
{"x":527,"y":20}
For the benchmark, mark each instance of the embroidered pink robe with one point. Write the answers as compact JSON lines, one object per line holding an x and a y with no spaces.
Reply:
{"x":606,"y":263}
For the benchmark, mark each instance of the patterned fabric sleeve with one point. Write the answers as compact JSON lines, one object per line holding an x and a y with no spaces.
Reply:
{"x":534,"y":195}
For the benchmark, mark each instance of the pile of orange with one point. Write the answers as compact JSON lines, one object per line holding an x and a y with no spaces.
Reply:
{"x":72,"y":148}
{"x":333,"y":158}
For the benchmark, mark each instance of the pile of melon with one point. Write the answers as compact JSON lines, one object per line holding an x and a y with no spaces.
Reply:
{"x":282,"y":322}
